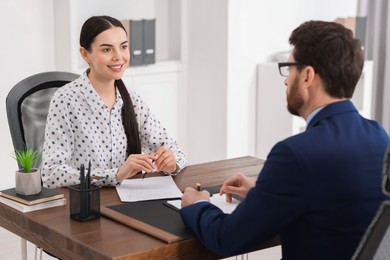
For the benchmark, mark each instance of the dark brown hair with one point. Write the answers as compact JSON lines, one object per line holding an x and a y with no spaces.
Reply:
{"x":91,"y":28}
{"x":333,"y":52}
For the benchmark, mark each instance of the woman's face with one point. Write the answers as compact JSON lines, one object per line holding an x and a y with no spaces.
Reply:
{"x":109,"y":55}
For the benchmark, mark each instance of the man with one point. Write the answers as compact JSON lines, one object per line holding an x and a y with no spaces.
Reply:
{"x":320,"y":189}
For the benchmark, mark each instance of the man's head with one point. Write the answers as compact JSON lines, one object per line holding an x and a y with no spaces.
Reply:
{"x":330,"y":49}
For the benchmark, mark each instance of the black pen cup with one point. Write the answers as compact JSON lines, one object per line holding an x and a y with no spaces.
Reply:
{"x":84,"y":203}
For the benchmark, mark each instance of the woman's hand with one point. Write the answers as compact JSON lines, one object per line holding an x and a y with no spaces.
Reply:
{"x":136,"y":163}
{"x":239,"y":184}
{"x":166,"y":160}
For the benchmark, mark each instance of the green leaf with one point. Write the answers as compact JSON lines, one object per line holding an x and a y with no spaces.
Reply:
{"x":26,"y":158}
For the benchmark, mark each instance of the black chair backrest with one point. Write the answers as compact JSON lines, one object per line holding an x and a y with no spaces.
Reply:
{"x":386,"y":173}
{"x":27,"y":106}
{"x":375,"y":243}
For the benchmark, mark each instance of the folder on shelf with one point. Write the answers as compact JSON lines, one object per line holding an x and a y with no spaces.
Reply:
{"x":136,"y":42}
{"x":126,"y":25}
{"x":149,"y":34}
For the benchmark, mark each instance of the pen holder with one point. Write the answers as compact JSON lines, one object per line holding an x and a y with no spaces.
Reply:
{"x":84,"y":204}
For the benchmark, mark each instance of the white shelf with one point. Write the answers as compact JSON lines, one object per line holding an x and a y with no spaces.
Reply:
{"x":160,"y":67}
{"x":69,"y":16}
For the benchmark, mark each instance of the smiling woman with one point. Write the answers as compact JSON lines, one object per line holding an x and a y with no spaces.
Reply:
{"x":95,"y":118}
{"x":108,"y":57}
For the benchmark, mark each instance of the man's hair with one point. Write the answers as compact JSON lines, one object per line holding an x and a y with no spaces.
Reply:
{"x":333,"y":52}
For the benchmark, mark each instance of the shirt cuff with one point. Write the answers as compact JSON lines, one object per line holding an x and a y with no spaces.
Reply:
{"x":176,"y":172}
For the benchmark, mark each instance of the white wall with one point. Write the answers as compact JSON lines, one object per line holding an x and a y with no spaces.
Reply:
{"x":206,"y":80}
{"x":26,"y":48}
{"x":224,"y":40}
{"x":257,"y":29}
{"x":227,"y":39}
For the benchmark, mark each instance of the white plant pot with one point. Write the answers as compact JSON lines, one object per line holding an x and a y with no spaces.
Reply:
{"x":28,"y":183}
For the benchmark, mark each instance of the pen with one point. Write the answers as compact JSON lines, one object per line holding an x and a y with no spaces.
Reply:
{"x":88,"y":194}
{"x":88,"y":179}
{"x":82,"y":177}
{"x":143,"y":175}
{"x":198,"y":186}
{"x":83,"y":195}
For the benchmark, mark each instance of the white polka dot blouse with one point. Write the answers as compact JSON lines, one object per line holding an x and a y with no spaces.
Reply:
{"x":80,"y":128}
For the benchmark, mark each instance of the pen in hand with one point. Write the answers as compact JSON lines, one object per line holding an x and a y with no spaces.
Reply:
{"x":144,"y":174}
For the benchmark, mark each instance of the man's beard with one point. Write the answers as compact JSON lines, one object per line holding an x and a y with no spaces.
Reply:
{"x":294,"y":100}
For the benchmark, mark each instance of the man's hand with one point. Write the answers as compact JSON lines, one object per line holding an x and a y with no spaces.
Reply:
{"x":191,"y":196}
{"x":239,"y":184}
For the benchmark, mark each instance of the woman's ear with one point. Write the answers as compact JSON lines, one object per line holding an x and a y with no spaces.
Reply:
{"x":85,"y":54}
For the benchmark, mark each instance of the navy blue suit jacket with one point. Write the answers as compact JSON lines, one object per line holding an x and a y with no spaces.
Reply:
{"x":319,"y":190}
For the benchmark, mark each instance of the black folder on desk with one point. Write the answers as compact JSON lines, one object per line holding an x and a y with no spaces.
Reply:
{"x":152,"y":217}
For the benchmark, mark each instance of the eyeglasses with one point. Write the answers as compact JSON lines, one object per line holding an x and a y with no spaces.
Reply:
{"x":284,"y":67}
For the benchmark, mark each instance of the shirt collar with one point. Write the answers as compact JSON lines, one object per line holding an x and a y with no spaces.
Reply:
{"x":92,"y":97}
{"x":332,"y":109}
{"x":312,"y":114}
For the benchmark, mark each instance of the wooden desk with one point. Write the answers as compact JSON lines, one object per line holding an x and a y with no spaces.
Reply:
{"x":53,"y":230}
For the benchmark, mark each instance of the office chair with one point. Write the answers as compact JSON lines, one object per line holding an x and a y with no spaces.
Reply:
{"x":386,"y":173}
{"x":375,"y":243}
{"x":27,"y":106}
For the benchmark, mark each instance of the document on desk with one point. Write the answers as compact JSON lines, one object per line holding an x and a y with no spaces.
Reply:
{"x":217,"y":200}
{"x":152,"y":188}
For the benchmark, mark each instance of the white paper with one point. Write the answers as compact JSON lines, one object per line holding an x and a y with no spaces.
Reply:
{"x":151,"y":188}
{"x":217,"y":200}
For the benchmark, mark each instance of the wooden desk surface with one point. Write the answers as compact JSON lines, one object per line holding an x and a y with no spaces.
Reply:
{"x":53,"y":230}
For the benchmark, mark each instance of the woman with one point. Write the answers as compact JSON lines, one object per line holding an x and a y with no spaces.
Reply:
{"x":95,"y":118}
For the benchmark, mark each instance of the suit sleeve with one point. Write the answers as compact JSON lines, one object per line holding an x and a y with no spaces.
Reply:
{"x":277,"y":199}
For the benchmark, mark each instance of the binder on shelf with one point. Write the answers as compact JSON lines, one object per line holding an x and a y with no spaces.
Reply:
{"x":142,"y":40}
{"x":126,"y":25}
{"x":136,"y":42}
{"x":149,"y":35}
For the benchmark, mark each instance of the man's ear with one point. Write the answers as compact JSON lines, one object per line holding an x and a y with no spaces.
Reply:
{"x":84,"y":53}
{"x":309,"y":74}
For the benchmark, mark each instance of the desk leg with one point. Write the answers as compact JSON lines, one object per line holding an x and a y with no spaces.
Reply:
{"x":38,"y":253}
{"x":242,"y":257}
{"x":23,"y":244}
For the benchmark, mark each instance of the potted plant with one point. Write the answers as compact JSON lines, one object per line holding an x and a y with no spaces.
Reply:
{"x":27,"y":178}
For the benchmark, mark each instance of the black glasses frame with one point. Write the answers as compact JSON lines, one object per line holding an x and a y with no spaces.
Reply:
{"x":281,"y":65}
